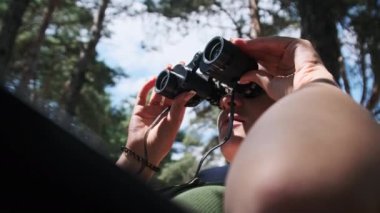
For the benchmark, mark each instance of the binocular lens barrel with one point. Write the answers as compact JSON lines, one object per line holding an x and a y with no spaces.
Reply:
{"x":213,"y":50}
{"x":224,"y":61}
{"x":168,"y":84}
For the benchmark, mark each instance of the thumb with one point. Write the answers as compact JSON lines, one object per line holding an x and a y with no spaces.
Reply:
{"x":259,"y":77}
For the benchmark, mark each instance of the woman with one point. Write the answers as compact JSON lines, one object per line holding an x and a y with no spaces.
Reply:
{"x":304,"y":146}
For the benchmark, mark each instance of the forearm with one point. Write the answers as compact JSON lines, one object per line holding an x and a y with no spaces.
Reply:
{"x":312,"y":150}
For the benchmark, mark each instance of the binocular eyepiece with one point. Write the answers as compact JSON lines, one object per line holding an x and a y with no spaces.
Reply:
{"x":220,"y":65}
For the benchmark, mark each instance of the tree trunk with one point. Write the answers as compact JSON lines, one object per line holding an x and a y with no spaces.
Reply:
{"x":318,"y":24}
{"x":72,"y":93}
{"x":363,"y":68}
{"x":343,"y":75}
{"x":30,"y":70}
{"x":255,"y":30}
{"x":374,"y":51}
{"x":373,"y":44}
{"x":11,"y":23}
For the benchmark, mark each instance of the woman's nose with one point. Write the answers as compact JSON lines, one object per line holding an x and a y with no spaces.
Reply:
{"x":225,"y":102}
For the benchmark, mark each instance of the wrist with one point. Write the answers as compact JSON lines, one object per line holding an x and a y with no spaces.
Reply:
{"x":131,"y":164}
{"x":318,"y":75}
{"x":153,"y":156}
{"x":141,"y":159}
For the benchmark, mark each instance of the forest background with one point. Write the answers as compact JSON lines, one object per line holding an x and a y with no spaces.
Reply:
{"x":82,"y":62}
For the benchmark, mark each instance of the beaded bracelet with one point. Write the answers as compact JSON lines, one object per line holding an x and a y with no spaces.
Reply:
{"x":140,"y":159}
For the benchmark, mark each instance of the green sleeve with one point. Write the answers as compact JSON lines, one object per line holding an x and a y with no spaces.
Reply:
{"x":202,"y":199}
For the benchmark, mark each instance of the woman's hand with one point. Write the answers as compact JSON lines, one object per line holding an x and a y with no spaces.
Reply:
{"x":161,"y":137}
{"x":286,"y":64}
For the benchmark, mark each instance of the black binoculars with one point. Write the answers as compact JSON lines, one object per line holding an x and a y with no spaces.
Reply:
{"x":220,"y":65}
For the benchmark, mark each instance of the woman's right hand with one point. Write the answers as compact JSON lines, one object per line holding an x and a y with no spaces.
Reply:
{"x":287,"y":64}
{"x":161,"y":136}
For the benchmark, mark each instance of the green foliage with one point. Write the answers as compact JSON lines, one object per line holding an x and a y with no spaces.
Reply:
{"x":65,"y":37}
{"x":191,"y":139}
{"x":206,"y":114}
{"x":3,"y":8}
{"x":180,"y":135}
{"x":281,"y":17}
{"x":179,"y":171}
{"x":177,"y":9}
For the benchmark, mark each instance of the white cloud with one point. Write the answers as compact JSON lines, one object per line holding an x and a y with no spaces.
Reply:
{"x":126,"y":89}
{"x":124,"y":47}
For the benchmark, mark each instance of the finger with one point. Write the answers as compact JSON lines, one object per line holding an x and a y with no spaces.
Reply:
{"x":178,"y":107}
{"x":260,"y":47}
{"x":158,"y":99}
{"x":169,"y":67}
{"x":143,"y":94}
{"x":259,"y":77}
{"x":155,"y":99}
{"x":166,"y":101}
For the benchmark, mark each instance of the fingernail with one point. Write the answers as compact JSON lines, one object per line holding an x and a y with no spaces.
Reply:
{"x":190,"y":94}
{"x":233,"y":40}
{"x":243,"y":82}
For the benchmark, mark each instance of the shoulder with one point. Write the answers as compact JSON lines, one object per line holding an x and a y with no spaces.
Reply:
{"x":207,"y":197}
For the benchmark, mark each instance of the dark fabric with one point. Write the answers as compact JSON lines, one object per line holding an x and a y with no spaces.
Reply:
{"x":43,"y":168}
{"x":214,"y":174}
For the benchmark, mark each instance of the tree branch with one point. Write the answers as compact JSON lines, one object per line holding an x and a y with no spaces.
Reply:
{"x":238,"y":27}
{"x":343,"y":73}
{"x":255,"y":19}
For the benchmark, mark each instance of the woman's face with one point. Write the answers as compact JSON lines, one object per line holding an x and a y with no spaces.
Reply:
{"x":247,"y":111}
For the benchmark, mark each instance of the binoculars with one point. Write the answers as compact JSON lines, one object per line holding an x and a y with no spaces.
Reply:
{"x":212,"y":74}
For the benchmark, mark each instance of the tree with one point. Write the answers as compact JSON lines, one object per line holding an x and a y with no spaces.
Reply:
{"x":363,"y":21}
{"x":11,"y":22}
{"x":77,"y":79}
{"x":318,"y":24}
{"x":62,"y":41}
{"x":255,"y":19}
{"x":30,"y":68}
{"x":319,"y":21}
